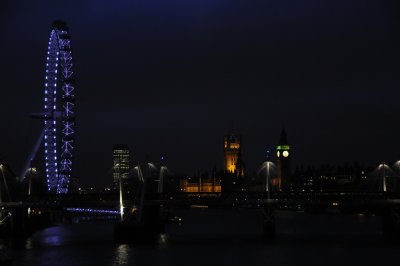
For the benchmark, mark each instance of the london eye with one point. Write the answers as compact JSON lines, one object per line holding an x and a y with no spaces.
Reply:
{"x":59,"y":110}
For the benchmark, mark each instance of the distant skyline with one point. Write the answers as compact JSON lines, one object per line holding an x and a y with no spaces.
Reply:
{"x":172,"y":78}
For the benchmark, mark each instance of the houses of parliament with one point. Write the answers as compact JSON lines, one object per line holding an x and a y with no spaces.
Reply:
{"x":233,"y":175}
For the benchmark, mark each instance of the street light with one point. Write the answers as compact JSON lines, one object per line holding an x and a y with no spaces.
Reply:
{"x":267,"y":181}
{"x":267,"y":168}
{"x":121,"y":204}
{"x":382,"y":168}
{"x":1,"y":169}
{"x":5,"y":183}
{"x":142,"y":194}
{"x":31,"y":171}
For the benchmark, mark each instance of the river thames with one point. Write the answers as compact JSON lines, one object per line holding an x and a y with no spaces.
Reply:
{"x":215,"y":237}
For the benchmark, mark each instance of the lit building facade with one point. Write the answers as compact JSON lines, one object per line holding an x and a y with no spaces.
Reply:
{"x":200,"y":185}
{"x":121,"y":162}
{"x":283,"y":155}
{"x":233,"y":163}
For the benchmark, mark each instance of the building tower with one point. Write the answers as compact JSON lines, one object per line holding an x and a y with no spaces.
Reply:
{"x":233,"y":162}
{"x":121,"y":163}
{"x":283,"y":154}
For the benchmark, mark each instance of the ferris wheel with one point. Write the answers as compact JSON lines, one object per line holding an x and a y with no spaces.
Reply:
{"x":59,"y":110}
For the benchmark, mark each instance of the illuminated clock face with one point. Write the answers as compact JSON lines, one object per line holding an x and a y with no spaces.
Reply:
{"x":285,"y":153}
{"x":278,"y":153}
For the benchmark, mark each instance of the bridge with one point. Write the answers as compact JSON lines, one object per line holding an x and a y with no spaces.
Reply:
{"x":157,"y":208}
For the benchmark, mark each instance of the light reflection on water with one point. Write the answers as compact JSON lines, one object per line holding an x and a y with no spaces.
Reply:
{"x":53,"y":236}
{"x":28,"y":243}
{"x":162,"y":240}
{"x":215,"y":238}
{"x":122,"y":253}
{"x":52,"y":240}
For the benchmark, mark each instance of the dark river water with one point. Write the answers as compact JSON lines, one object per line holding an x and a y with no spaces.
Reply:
{"x":214,"y":237}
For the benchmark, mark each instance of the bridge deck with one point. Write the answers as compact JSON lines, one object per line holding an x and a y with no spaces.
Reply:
{"x":367,"y":201}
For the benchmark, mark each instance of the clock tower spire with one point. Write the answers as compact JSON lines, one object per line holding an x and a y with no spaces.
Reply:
{"x":283,"y":155}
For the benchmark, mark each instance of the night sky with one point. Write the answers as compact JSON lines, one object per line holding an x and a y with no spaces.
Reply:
{"x":172,"y":77}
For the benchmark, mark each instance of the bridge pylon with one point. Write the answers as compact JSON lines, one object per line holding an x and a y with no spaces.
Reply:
{"x":391,"y":224}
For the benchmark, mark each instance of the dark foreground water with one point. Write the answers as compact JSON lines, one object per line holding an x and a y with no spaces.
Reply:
{"x":212,"y":237}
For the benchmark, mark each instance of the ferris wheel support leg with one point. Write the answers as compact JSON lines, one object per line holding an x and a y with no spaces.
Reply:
{"x":32,"y":156}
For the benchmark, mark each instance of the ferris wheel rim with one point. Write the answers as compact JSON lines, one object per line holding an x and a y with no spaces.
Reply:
{"x":59,"y":110}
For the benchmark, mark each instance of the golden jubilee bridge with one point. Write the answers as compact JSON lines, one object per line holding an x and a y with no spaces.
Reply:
{"x":142,"y":219}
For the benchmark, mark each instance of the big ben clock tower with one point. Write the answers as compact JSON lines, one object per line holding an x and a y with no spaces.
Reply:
{"x":233,"y":162}
{"x":283,"y":155}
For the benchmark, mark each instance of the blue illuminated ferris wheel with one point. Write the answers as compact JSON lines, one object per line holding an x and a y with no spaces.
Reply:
{"x":59,"y":110}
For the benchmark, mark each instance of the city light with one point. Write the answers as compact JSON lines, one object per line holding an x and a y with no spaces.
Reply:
{"x":89,"y":210}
